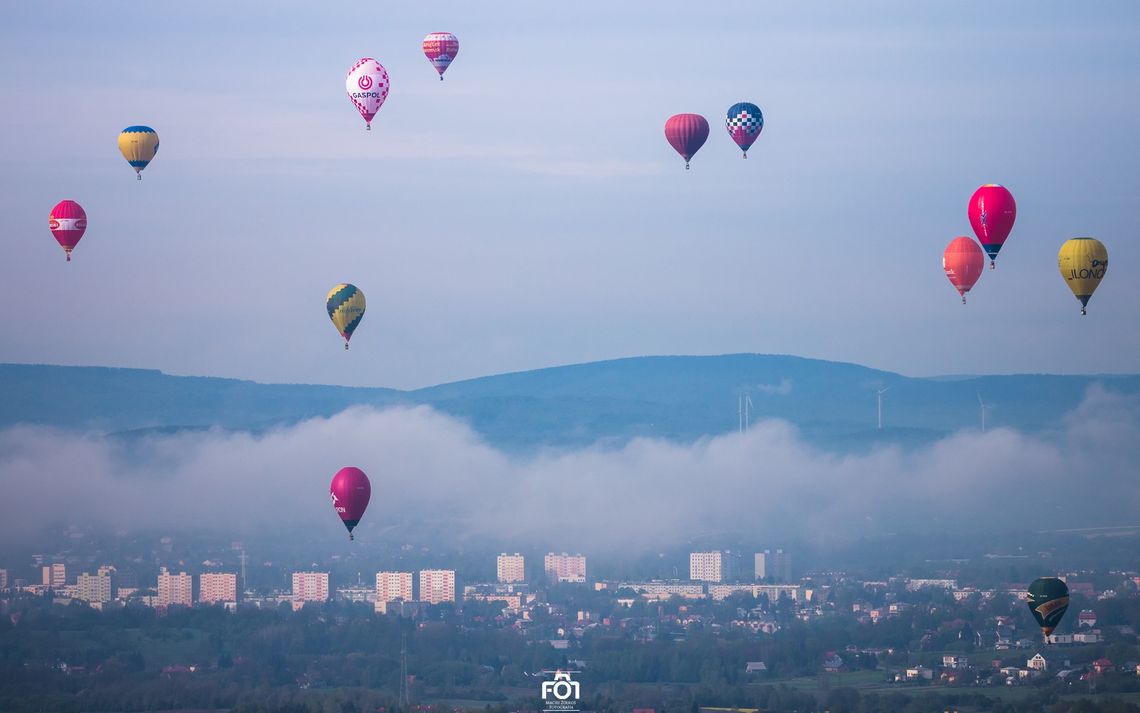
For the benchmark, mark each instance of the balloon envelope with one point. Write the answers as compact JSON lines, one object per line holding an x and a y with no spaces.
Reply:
{"x":744,"y":123}
{"x":68,"y":222}
{"x":687,"y":134}
{"x":367,"y":87}
{"x":1048,"y":601}
{"x":441,"y":48}
{"x":345,"y":304}
{"x":350,"y":492}
{"x":138,"y":144}
{"x":963,"y":262}
{"x":1083,"y":262}
{"x":992,"y":211}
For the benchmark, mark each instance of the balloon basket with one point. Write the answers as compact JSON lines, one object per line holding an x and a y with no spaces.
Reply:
{"x":350,"y":537}
{"x":1083,"y":312}
{"x":963,"y":299}
{"x":745,"y":154}
{"x":138,"y":176}
{"x":346,"y":346}
{"x":992,"y":264}
{"x":368,"y":127}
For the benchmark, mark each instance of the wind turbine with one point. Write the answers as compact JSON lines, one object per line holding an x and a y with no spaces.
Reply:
{"x":982,"y":404}
{"x":743,"y":411}
{"x":880,"y":393}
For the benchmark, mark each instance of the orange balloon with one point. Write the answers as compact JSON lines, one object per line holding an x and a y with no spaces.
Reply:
{"x":963,"y":261}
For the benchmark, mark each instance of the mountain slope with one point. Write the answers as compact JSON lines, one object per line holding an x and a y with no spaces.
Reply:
{"x":675,"y":397}
{"x":108,"y":399}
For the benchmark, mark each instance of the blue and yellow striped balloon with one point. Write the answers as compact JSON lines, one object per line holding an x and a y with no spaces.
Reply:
{"x":138,"y":144}
{"x":345,"y":304}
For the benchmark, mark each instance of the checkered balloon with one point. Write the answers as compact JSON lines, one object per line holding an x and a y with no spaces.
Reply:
{"x":744,"y":123}
{"x":367,"y":87}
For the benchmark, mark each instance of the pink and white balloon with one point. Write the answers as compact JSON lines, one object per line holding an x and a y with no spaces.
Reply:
{"x":367,"y":86}
{"x":441,"y":48}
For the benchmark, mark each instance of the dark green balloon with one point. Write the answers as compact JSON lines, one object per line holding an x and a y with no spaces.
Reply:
{"x":1048,"y":601}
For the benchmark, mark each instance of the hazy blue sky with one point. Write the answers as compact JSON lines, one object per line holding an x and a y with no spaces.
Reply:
{"x":528,"y":211}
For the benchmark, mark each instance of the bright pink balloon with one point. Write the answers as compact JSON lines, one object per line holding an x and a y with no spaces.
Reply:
{"x":687,"y":134}
{"x":68,"y":222}
{"x":350,"y":492}
{"x":992,"y":211}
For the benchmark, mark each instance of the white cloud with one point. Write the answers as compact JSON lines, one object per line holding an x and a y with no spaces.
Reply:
{"x":646,"y":494}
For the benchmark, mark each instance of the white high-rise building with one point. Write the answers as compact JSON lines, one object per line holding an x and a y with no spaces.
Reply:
{"x":94,"y":588}
{"x":392,"y":586}
{"x":776,"y":565}
{"x":310,"y":587}
{"x":510,"y":568}
{"x":437,"y":585}
{"x":217,"y":588}
{"x":564,"y":567}
{"x":175,"y":588}
{"x":55,"y":575}
{"x":707,"y":566}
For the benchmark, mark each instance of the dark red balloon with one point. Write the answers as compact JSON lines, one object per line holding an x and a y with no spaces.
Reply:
{"x":687,"y":134}
{"x":350,"y":492}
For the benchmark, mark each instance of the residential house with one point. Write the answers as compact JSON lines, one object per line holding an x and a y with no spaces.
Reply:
{"x":955,"y":661}
{"x":919,"y":672}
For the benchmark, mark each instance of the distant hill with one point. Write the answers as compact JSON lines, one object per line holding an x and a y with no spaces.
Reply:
{"x":679,"y":398}
{"x":106,"y":399}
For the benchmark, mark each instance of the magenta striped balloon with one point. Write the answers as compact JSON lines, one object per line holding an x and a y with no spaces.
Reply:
{"x":687,"y":134}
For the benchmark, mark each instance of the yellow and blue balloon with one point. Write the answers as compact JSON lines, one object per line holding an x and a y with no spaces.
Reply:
{"x":138,"y":144}
{"x":1083,"y":262}
{"x":345,"y":304}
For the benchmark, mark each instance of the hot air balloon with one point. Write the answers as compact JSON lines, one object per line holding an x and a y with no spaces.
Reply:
{"x":138,"y":144}
{"x":687,"y":134}
{"x":345,"y":304}
{"x":963,"y":262}
{"x":441,"y":48}
{"x":1048,"y":600}
{"x":744,"y":123}
{"x":68,"y":222}
{"x":367,"y":85}
{"x":992,"y":211}
{"x":1083,"y":262}
{"x":350,"y":492}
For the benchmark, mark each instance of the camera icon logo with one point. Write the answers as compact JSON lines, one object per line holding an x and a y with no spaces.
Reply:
{"x":562,"y":688}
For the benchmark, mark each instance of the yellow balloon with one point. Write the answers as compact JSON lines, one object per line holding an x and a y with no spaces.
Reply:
{"x":138,"y":144}
{"x":1083,"y":262}
{"x":345,"y":305}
